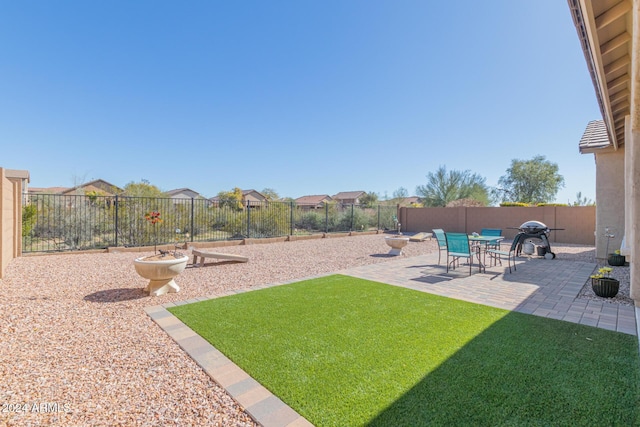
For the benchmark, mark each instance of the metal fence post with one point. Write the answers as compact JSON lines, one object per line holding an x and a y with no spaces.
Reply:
{"x":248,"y":219}
{"x":116,"y":221}
{"x":326,"y":217}
{"x":378,"y":227}
{"x":192,"y":218}
{"x":352,"y":209}
{"x":292,"y":223}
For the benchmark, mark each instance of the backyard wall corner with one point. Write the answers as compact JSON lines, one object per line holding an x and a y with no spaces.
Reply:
{"x":12,"y":183}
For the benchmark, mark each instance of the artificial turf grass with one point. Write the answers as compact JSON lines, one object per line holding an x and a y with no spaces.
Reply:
{"x":344,"y":351}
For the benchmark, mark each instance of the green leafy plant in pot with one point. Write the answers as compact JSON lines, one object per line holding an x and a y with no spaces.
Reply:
{"x":603,"y":284}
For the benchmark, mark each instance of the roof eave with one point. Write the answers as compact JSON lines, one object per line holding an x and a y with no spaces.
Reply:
{"x":584,"y":33}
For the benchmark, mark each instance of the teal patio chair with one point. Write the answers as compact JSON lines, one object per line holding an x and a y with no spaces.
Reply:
{"x":494,"y":244}
{"x":496,"y":254}
{"x":458,"y":247}
{"x":442,"y":241}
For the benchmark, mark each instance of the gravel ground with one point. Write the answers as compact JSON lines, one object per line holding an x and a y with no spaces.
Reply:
{"x":77,"y":347}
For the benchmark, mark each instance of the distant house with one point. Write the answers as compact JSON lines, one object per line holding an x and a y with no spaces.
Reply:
{"x":255,"y":198}
{"x":47,"y":190}
{"x":183,"y":195}
{"x":349,"y":197}
{"x":313,"y":202}
{"x":411,"y":201}
{"x":99,"y":187}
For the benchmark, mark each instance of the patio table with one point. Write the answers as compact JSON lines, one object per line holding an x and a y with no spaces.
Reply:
{"x":479,"y":243}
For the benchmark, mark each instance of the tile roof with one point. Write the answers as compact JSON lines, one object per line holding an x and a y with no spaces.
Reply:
{"x":595,"y":137}
{"x":182,"y":190}
{"x":348,"y":195}
{"x":48,"y":190}
{"x":313,"y":200}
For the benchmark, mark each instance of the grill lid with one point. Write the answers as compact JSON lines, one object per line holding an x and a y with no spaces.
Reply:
{"x":533,"y":227}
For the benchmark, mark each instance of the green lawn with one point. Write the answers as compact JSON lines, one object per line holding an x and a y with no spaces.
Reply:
{"x":344,"y":352}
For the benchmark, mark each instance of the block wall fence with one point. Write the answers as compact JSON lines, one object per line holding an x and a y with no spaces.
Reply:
{"x":578,"y":222}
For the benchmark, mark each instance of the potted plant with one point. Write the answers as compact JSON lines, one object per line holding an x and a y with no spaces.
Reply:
{"x":616,"y":259}
{"x":160,"y":269}
{"x":603,"y":284}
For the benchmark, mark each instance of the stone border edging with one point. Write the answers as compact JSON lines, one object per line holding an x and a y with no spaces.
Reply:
{"x":259,"y":403}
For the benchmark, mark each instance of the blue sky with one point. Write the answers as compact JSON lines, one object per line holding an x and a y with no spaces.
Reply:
{"x":305,"y":97}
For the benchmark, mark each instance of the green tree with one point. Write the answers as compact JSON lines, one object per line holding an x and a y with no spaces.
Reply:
{"x":369,"y":199}
{"x":443,"y":187}
{"x":271,"y":194}
{"x":142,"y":189}
{"x":582,"y":201}
{"x":399,"y":195}
{"x":530,"y":181}
{"x":232,"y":199}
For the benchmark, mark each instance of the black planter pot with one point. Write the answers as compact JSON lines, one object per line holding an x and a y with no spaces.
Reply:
{"x":616,"y":260}
{"x":605,"y":287}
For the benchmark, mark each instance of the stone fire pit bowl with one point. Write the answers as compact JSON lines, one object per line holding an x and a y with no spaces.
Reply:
{"x":161,"y":273}
{"x":396,"y":243}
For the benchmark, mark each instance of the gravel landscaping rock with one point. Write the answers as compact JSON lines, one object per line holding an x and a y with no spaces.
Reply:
{"x":78,"y":349}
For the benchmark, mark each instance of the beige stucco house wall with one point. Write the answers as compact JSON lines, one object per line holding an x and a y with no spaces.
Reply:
{"x":610,"y":210}
{"x":13,"y":183}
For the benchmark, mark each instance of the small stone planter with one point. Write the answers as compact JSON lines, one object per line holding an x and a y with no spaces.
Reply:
{"x":606,"y":287}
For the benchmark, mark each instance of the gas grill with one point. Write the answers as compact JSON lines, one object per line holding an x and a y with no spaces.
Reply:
{"x":535,"y":230}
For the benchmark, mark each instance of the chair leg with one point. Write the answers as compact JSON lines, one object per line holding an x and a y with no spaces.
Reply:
{"x":439,"y":252}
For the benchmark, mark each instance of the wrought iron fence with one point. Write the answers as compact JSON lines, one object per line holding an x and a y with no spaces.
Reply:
{"x":54,"y":222}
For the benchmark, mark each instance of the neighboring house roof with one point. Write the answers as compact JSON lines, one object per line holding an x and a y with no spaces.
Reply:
{"x":183,"y":193}
{"x":313,"y":200}
{"x":606,"y":30}
{"x":348,"y":195}
{"x":95,"y":185}
{"x":253,"y":195}
{"x":410,"y":200}
{"x":47,"y":190}
{"x":595,"y":137}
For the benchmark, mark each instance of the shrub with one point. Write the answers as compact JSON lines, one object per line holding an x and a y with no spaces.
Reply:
{"x":515,"y":204}
{"x":29,"y":213}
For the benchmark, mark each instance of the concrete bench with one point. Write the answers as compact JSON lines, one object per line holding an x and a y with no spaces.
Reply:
{"x":216,"y":255}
